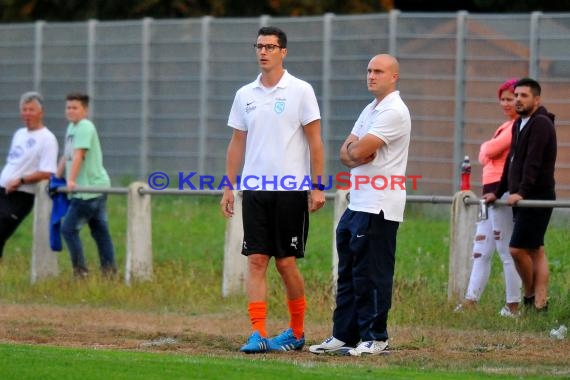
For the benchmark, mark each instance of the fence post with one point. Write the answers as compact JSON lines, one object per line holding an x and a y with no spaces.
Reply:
{"x":235,"y":264}
{"x":462,"y":229}
{"x":340,"y":205}
{"x":139,"y":234}
{"x":44,"y":260}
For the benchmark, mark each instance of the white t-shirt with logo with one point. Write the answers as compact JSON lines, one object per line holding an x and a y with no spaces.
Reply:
{"x":273,"y":118}
{"x":390,"y":121}
{"x":30,"y":151}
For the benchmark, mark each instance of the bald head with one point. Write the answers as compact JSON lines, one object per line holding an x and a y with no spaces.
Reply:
{"x":388,"y":61}
{"x":382,"y":76}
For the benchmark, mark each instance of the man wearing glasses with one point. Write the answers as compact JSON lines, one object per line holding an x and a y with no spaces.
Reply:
{"x":276,"y":128}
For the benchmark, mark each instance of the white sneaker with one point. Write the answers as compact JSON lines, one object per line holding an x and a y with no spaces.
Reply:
{"x":370,"y":347}
{"x":332,"y":346}
{"x":506,"y":312}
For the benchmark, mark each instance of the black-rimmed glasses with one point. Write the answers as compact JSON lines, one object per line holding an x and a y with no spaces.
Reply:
{"x":270,"y":48}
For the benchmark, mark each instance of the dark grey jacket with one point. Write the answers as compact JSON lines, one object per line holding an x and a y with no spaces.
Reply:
{"x":529,"y":168}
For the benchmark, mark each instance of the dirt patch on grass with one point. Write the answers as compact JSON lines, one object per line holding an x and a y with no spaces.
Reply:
{"x":223,"y":334}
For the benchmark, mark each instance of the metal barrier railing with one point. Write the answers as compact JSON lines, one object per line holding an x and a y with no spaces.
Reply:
{"x":138,"y":264}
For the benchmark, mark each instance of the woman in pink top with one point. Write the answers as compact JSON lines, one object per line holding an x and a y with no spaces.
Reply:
{"x":495,"y":232}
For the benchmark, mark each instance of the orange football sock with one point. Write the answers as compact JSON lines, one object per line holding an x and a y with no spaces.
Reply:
{"x":297,"y":311}
{"x":257,"y":315}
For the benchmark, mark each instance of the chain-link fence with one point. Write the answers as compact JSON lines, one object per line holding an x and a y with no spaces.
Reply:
{"x":162,"y":89}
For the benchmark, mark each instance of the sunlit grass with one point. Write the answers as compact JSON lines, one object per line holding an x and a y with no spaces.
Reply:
{"x":25,"y":362}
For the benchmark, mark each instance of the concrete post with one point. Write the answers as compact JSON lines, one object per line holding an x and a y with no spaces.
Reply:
{"x":44,"y":260}
{"x":139,"y":235}
{"x":461,"y":233}
{"x":235,"y":264}
{"x":340,"y":205}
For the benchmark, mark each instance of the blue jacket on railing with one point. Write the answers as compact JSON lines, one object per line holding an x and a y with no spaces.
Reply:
{"x":58,"y":211}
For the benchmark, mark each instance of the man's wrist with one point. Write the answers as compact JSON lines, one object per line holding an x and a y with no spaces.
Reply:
{"x":318,"y":186}
{"x":22,"y":180}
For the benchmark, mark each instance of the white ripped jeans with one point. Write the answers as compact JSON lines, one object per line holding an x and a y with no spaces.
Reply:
{"x":493,"y":234}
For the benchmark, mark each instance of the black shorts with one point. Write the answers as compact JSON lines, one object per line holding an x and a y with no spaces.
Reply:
{"x":275,"y":223}
{"x":530,"y":227}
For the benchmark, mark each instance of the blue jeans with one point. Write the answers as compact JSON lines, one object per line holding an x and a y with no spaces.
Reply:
{"x":94,"y":212}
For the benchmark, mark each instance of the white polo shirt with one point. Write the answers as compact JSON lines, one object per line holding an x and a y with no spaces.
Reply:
{"x":390,"y":121}
{"x":276,"y":146}
{"x":30,"y":151}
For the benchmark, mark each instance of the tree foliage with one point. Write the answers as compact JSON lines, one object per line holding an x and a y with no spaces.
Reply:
{"x":486,"y":6}
{"x":80,"y":10}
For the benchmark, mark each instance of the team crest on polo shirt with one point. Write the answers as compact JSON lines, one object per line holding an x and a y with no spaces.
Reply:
{"x":279,"y":106}
{"x":31,"y":142}
{"x":16,"y":153}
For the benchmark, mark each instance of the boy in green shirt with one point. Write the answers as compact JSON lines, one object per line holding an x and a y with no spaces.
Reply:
{"x":83,"y":165}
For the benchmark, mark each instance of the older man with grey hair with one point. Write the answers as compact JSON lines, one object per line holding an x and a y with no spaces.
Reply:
{"x":31,"y":159}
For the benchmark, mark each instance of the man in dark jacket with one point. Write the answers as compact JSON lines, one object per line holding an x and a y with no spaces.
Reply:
{"x":529,"y":174}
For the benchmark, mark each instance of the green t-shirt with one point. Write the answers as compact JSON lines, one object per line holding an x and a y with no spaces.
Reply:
{"x":83,"y":135}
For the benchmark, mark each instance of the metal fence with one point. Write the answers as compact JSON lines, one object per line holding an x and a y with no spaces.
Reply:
{"x":162,"y":89}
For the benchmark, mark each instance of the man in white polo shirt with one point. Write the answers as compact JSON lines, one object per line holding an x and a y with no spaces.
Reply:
{"x":276,"y":126}
{"x":377,"y":150}
{"x":32,"y":158}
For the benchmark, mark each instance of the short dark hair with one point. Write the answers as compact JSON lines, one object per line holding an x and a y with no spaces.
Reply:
{"x":79,"y":96}
{"x":274,"y":31}
{"x":529,"y":82}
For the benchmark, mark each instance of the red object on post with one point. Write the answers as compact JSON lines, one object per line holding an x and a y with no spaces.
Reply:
{"x":465,"y":174}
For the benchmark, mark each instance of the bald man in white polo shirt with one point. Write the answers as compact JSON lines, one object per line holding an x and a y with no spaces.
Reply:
{"x":377,"y":150}
{"x":276,"y":127}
